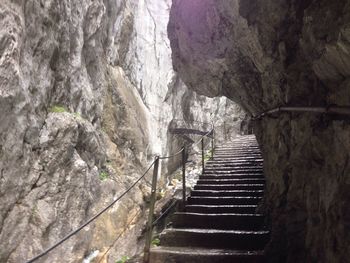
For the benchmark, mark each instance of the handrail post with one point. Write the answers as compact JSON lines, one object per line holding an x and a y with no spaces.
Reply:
{"x":202,"y":154}
{"x":212,"y":145}
{"x":184,"y":177}
{"x":151,"y":211}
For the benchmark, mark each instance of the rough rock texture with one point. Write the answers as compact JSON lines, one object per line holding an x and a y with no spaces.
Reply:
{"x":263,"y":54}
{"x":85,"y":104}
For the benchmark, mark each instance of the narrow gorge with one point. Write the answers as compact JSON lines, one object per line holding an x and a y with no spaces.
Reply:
{"x":90,"y":92}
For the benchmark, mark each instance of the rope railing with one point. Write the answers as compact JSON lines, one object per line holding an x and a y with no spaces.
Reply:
{"x":74,"y":232}
{"x":183,"y":152}
{"x":151,"y":222}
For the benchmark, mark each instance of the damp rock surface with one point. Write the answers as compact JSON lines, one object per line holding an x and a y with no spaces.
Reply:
{"x":263,"y":54}
{"x":87,"y":91}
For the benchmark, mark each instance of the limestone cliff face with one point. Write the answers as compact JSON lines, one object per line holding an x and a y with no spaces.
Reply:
{"x":86,"y":94}
{"x":263,"y":54}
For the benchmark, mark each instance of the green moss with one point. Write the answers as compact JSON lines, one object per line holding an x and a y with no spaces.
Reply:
{"x":58,"y":109}
{"x":124,"y":259}
{"x":61,"y":109}
{"x":103,"y":175}
{"x":77,"y":115}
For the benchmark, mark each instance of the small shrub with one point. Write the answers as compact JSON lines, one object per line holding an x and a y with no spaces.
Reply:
{"x":155,"y":242}
{"x":124,"y":259}
{"x":103,"y":175}
{"x":58,"y":109}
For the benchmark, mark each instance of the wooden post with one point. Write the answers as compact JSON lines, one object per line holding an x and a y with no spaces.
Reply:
{"x":184,"y":177}
{"x":202,"y":154}
{"x":151,"y":211}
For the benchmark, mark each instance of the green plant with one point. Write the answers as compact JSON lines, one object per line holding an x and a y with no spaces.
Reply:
{"x":103,"y":175}
{"x":77,"y":115}
{"x":207,"y":155}
{"x":58,"y":109}
{"x":35,"y":211}
{"x":155,"y":242}
{"x":124,"y":259}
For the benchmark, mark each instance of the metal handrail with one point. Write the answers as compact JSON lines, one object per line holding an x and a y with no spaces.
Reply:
{"x":331,"y":109}
{"x":151,"y":223}
{"x":194,"y":144}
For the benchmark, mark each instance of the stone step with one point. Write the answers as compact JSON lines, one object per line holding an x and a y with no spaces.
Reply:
{"x":238,"y":145}
{"x":218,"y":221}
{"x":232,"y":165}
{"x":232,"y":173}
{"x":232,"y":181}
{"x":214,"y":238}
{"x":217,"y":209}
{"x":237,"y":160}
{"x":258,"y":193}
{"x":247,"y":153}
{"x":223,"y":200}
{"x":230,"y":176}
{"x":235,"y":157}
{"x":237,"y":153}
{"x":218,"y":187}
{"x":233,"y":169}
{"x":204,"y":255}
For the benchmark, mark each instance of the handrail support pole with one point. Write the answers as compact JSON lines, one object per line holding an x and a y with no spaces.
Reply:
{"x":184,"y":177}
{"x":202,"y":154}
{"x":212,"y":145}
{"x":151,"y":211}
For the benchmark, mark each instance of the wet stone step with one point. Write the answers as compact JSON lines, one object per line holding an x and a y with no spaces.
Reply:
{"x":229,"y":187}
{"x":224,"y":200}
{"x":237,"y":146}
{"x":233,"y":165}
{"x":236,"y":162}
{"x":233,"y":173}
{"x":218,"y":221}
{"x":237,"y":169}
{"x":213,"y":238}
{"x":233,"y":162}
{"x":231,"y":176}
{"x":217,"y":209}
{"x":243,"y":153}
{"x":204,"y":255}
{"x":231,"y":181}
{"x":227,"y":165}
{"x":228,"y":158}
{"x":238,"y":152}
{"x":257,"y":193}
{"x":234,"y":169}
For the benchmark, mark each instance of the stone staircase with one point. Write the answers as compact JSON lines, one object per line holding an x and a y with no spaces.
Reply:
{"x":220,"y":223}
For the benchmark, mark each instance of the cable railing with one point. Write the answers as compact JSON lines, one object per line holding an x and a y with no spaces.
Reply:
{"x":151,"y":222}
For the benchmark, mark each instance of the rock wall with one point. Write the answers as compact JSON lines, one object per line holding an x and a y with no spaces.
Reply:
{"x":263,"y":54}
{"x":86,"y":95}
